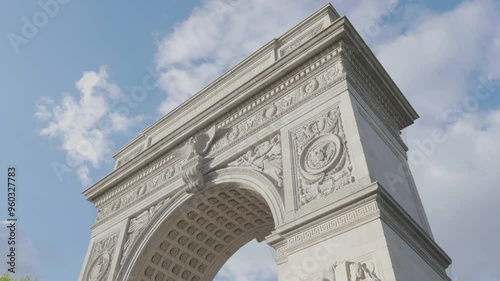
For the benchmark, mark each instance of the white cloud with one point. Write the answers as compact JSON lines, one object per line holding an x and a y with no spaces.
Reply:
{"x":433,"y":61}
{"x":459,"y":188}
{"x":83,"y":173}
{"x":85,"y":123}
{"x":437,"y":59}
{"x":438,"y":62}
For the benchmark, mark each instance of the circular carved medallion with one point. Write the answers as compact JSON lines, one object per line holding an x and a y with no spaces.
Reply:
{"x":321,"y":154}
{"x":99,"y":267}
{"x":311,"y":86}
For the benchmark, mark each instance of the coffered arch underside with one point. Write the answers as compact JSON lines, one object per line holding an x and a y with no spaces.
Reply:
{"x":195,"y":234}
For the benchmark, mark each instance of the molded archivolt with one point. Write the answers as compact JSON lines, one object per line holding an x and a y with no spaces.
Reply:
{"x":195,"y":234}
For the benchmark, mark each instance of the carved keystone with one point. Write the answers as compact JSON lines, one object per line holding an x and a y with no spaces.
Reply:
{"x":192,"y":175}
{"x":192,"y":151}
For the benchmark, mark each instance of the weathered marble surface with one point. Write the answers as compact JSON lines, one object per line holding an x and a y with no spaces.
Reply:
{"x":292,"y":146}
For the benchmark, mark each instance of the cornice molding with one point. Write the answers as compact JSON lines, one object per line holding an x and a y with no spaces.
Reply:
{"x":372,"y":202}
{"x":414,"y":235}
{"x":310,"y":53}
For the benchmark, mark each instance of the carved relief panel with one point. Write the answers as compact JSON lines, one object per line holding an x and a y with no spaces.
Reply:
{"x":265,"y":158}
{"x":347,"y":271}
{"x":320,"y":157}
{"x":100,"y":259}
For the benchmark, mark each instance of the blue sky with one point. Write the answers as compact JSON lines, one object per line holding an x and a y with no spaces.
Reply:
{"x":75,"y":70}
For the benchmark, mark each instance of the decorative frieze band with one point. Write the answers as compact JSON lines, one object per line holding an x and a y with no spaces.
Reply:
{"x":137,"y":178}
{"x":321,"y":158}
{"x":372,"y":93}
{"x":291,"y":80}
{"x":130,"y":155}
{"x":238,"y":76}
{"x":329,"y":226}
{"x":308,"y":81}
{"x":147,"y":187}
{"x":171,"y":163}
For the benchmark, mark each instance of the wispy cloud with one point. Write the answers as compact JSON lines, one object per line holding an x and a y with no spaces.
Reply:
{"x":254,"y":262}
{"x":433,"y":61}
{"x":84,"y":123}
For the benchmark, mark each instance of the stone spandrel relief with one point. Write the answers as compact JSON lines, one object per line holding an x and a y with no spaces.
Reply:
{"x":266,"y":157}
{"x":137,"y":225}
{"x":100,"y":258}
{"x":321,"y":157}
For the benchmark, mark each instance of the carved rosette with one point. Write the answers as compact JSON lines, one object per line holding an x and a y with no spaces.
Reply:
{"x":266,"y":158}
{"x":321,"y":157}
{"x":100,"y":259}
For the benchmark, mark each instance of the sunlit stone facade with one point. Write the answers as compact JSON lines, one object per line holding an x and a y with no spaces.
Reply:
{"x":299,"y":147}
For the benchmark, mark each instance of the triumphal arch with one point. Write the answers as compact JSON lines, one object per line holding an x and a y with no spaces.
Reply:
{"x":298,"y":146}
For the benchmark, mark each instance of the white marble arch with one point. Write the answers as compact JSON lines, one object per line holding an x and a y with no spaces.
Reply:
{"x":298,"y":145}
{"x":232,"y":178}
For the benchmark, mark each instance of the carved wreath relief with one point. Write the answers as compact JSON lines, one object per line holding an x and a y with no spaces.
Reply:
{"x":322,"y":160}
{"x":100,"y":258}
{"x":266,"y":158}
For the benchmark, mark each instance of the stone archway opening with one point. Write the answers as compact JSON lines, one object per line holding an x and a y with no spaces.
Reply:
{"x":202,"y":233}
{"x":293,"y":145}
